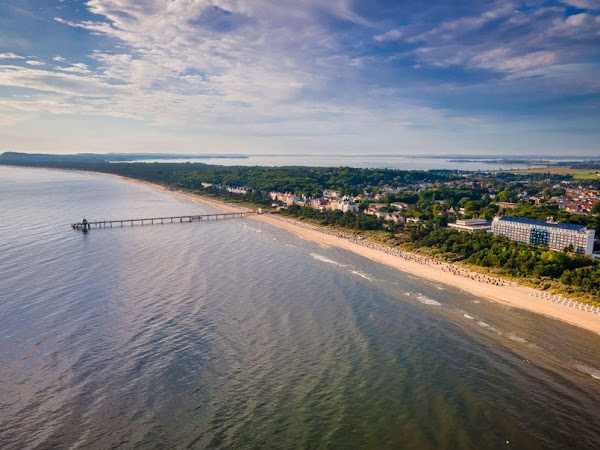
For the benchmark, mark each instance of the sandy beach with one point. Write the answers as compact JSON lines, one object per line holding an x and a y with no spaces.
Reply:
{"x":507,"y":293}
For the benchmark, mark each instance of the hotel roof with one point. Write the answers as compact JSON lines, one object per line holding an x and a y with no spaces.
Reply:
{"x":526,"y":221}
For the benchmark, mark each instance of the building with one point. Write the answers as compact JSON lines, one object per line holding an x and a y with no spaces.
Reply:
{"x":557,"y":236}
{"x":319,"y":203}
{"x":348,"y":206}
{"x":471,"y":225}
{"x":331,"y":193}
{"x":507,"y":205}
{"x":399,"y":206}
{"x":236,"y":190}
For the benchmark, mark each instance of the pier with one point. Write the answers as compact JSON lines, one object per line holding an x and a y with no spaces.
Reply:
{"x":85,"y":225}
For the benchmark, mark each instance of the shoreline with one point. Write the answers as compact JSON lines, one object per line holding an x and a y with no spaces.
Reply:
{"x":497,"y":290}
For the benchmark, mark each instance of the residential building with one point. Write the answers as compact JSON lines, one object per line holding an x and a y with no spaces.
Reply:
{"x":331,"y":193}
{"x":399,"y":205}
{"x":348,"y":205}
{"x":557,"y":236}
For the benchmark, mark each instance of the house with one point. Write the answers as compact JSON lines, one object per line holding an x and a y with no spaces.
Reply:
{"x":399,"y":206}
{"x":331,"y":193}
{"x":348,"y":206}
{"x":236,"y":190}
{"x":319,"y":203}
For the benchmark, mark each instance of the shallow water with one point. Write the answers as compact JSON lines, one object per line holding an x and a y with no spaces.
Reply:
{"x":237,"y":334}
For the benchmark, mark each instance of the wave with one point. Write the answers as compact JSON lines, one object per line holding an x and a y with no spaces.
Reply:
{"x":327,"y":260}
{"x":468,"y":316}
{"x":487,"y":326}
{"x":592,"y":372}
{"x":428,"y":301}
{"x":256,"y":230}
{"x":514,"y":337}
{"x":363,"y":275}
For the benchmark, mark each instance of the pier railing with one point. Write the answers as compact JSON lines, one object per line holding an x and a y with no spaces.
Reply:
{"x":85,"y":225}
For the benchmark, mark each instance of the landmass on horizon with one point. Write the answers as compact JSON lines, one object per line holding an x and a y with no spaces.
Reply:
{"x":559,"y":160}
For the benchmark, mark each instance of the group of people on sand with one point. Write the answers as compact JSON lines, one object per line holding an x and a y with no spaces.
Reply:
{"x":445,"y":267}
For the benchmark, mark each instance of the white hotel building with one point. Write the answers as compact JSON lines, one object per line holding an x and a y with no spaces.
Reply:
{"x":557,"y":236}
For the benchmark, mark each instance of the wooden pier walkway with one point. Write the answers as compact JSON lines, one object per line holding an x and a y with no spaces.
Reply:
{"x":85,"y":225}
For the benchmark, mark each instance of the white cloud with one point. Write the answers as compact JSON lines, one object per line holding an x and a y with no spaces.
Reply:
{"x":33,"y":62}
{"x":504,"y":39}
{"x":583,"y":4}
{"x":59,"y":58}
{"x":10,"y":56}
{"x":501,"y":60}
{"x":75,"y":68}
{"x":177,"y":61}
{"x":582,"y":19}
{"x":448,"y":30}
{"x":62,"y":83}
{"x":392,"y":35}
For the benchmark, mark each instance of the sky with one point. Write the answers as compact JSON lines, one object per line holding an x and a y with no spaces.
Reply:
{"x":301,"y":76}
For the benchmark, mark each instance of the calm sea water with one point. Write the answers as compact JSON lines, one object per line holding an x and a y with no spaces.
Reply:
{"x":235,"y":334}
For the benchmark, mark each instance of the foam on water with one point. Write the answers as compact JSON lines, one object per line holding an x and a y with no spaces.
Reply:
{"x":362,"y":275}
{"x":592,"y":372}
{"x":327,"y":260}
{"x":514,"y":337}
{"x":427,"y":301}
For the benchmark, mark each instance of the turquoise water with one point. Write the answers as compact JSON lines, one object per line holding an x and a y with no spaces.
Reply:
{"x":235,"y":334}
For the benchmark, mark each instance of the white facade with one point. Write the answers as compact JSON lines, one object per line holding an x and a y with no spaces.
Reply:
{"x":471,"y":225}
{"x":556,"y":236}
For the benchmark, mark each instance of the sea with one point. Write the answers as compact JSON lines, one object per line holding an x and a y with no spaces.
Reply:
{"x":237,"y":334}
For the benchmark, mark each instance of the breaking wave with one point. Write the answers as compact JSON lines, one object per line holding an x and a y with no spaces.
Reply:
{"x":594,"y":373}
{"x":428,"y":301}
{"x":326,"y":260}
{"x":363,"y":275}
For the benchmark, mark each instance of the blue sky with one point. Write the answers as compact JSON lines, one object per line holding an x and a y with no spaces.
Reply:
{"x":313,"y":76}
